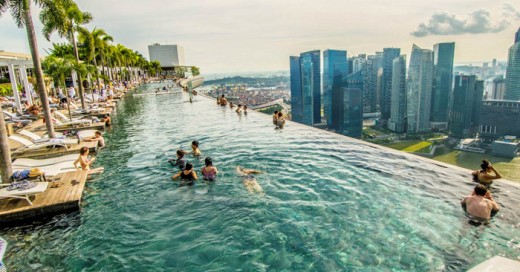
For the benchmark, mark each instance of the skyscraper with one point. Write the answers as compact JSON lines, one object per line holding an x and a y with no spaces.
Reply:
{"x":498,"y":88}
{"x":371,"y":91}
{"x":308,"y":102}
{"x":296,"y":90}
{"x":334,"y":66}
{"x":389,"y":54}
{"x":168,"y":55}
{"x":397,"y":120}
{"x":513,"y":70}
{"x":315,"y":58}
{"x":347,"y":106}
{"x":499,"y":118}
{"x":419,"y":85}
{"x":467,"y":101}
{"x":443,"y":54}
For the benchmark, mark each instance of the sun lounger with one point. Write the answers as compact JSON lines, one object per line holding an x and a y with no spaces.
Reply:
{"x":28,"y":145}
{"x":14,"y":118}
{"x":23,"y":194}
{"x":84,"y":123}
{"x":82,"y":134}
{"x":31,"y":163}
{"x":52,"y":170}
{"x":35,"y":137}
{"x":20,"y":117}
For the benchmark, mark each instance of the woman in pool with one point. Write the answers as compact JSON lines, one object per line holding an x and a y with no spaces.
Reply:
{"x":275,"y":118}
{"x":483,"y":176}
{"x":188,"y":176}
{"x":209,"y":171}
{"x":195,"y":148}
{"x":280,"y":121}
{"x":180,"y":160}
{"x":249,"y":179}
{"x":85,"y":162}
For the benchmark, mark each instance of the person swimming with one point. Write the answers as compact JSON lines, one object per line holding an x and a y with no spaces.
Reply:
{"x":188,"y":176}
{"x":179,"y":161}
{"x":275,"y":118}
{"x":249,"y":180}
{"x":280,"y":121}
{"x":195,"y":148}
{"x":209,"y":171}
{"x":483,"y":176}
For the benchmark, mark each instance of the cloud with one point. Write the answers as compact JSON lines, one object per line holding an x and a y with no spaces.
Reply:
{"x":510,"y":11}
{"x":444,"y":23}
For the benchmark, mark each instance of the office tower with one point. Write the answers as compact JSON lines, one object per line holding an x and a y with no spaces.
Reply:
{"x":168,"y":55}
{"x":442,"y":81}
{"x":419,"y":87}
{"x":467,"y":101}
{"x":296,"y":90}
{"x":315,"y":58}
{"x":372,"y":88}
{"x":498,"y":88}
{"x":307,"y":81}
{"x":347,"y":106}
{"x":499,"y":118}
{"x":334,"y":66}
{"x":397,"y":120}
{"x":389,"y":54}
{"x":513,"y":70}
{"x":358,"y":63}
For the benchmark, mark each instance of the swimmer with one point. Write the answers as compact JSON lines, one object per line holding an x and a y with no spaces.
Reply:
{"x":195,"y":148}
{"x":275,"y":118}
{"x":231,"y":105}
{"x":223,"y":100}
{"x":483,"y":176}
{"x":480,"y":203}
{"x":188,"y":176}
{"x":180,"y":160}
{"x":218,"y":100}
{"x":280,"y":121}
{"x":85,"y":162}
{"x":209,"y":171}
{"x":239,"y":108}
{"x":245,"y":110}
{"x":249,"y":180}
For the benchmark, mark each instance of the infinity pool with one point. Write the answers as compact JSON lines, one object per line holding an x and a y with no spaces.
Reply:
{"x":330,"y":203}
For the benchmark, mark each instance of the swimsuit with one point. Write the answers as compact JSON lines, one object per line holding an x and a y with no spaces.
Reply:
{"x":208,"y":175}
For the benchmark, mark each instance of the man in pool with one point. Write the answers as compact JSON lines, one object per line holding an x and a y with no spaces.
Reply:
{"x":249,"y":180}
{"x":223,"y":100}
{"x":480,"y":203}
{"x":97,"y":138}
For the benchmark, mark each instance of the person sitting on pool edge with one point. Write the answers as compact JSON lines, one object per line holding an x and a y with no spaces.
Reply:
{"x":249,"y":180}
{"x":483,"y":176}
{"x":480,"y":203}
{"x":209,"y":171}
{"x":180,"y":160}
{"x":96,"y":138}
{"x":195,"y":149}
{"x":188,"y":176}
{"x":85,"y":162}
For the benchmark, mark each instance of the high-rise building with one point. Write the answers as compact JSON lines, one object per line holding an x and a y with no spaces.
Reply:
{"x":347,"y":106}
{"x":334,"y":66}
{"x":358,"y":63}
{"x":168,"y":55}
{"x":372,"y":88}
{"x":306,"y":88}
{"x":397,"y":120}
{"x":499,"y":118}
{"x":389,"y":54}
{"x":467,"y":101}
{"x":498,"y":89}
{"x":296,"y":90}
{"x":513,"y":70}
{"x":443,"y":54}
{"x":419,"y":87}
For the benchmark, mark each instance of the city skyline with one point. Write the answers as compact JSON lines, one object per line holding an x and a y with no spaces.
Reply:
{"x":256,"y":35}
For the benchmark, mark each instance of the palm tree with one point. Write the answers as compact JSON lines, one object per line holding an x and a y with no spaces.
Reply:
{"x":99,"y":39}
{"x":21,"y":12}
{"x":6,"y":168}
{"x":65,"y":17}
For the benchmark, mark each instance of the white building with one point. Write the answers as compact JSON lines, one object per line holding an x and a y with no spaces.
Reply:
{"x":169,"y":55}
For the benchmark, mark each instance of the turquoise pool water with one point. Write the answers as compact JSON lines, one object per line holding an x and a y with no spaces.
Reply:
{"x":330,"y":203}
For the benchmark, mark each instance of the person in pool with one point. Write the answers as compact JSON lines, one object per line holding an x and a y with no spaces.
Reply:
{"x":275,"y":118}
{"x":483,"y":176}
{"x":180,"y":160}
{"x":223,"y":100}
{"x":231,"y":105}
{"x":188,"y":176}
{"x":245,"y":110}
{"x":280,"y":121}
{"x":209,"y":172}
{"x":480,"y":203}
{"x":85,"y":162}
{"x":249,"y":180}
{"x":195,"y":148}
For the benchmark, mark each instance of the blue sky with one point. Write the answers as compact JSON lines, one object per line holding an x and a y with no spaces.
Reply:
{"x":228,"y":36}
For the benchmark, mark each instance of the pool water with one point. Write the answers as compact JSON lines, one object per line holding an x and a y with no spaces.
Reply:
{"x":330,"y":203}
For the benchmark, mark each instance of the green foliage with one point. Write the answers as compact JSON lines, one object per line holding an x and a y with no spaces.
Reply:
{"x":271,"y":110}
{"x":195,"y":71}
{"x":6,"y":89}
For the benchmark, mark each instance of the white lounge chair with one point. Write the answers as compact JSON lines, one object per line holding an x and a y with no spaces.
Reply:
{"x":31,"y":163}
{"x":28,"y":145}
{"x":67,"y":119}
{"x":23,"y":194}
{"x":52,"y":170}
{"x":82,"y":134}
{"x":35,"y":137}
{"x":84,"y":123}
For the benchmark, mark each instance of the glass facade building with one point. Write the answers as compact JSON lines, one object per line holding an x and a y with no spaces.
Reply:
{"x":513,"y":71}
{"x":419,"y":88}
{"x":307,"y":79}
{"x":397,"y":120}
{"x":296,"y":90}
{"x":443,"y":55}
{"x":315,"y":57}
{"x":347,"y":106}
{"x":389,"y":54}
{"x":335,"y":65}
{"x":467,"y":101}
{"x":499,"y":118}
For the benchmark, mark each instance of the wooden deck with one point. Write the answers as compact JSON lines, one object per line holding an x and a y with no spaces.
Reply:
{"x":53,"y":201}
{"x":54,"y":152}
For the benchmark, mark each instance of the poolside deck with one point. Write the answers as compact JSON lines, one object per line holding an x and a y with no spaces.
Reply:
{"x":54,"y":152}
{"x":53,"y":201}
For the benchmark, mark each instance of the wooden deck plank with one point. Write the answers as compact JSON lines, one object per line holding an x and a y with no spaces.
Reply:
{"x":56,"y":152}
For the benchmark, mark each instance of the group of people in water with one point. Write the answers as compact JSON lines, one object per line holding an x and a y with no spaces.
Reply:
{"x":481,"y":205}
{"x":188,"y":174}
{"x":278,"y":118}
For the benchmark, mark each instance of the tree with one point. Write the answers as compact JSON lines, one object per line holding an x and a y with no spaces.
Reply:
{"x":195,"y":70}
{"x":21,"y":12}
{"x":6,"y":168}
{"x":65,"y":17}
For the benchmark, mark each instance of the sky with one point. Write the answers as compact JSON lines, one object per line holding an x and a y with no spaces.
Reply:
{"x":228,"y":36}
